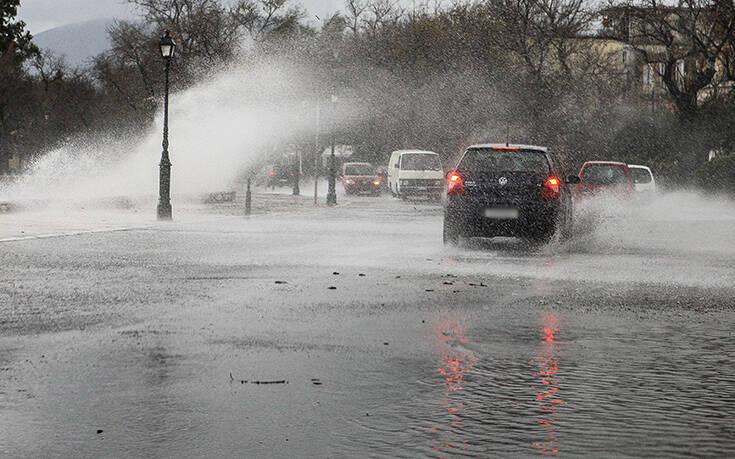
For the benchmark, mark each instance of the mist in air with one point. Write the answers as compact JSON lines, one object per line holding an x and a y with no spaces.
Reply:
{"x":219,"y":130}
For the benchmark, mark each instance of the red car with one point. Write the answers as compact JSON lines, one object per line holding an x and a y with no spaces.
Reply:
{"x":360,"y":178}
{"x":610,"y":178}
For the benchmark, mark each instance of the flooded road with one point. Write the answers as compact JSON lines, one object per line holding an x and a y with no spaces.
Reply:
{"x":354,"y":332}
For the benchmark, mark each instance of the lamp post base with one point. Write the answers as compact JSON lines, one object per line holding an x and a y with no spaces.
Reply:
{"x":164,"y":211}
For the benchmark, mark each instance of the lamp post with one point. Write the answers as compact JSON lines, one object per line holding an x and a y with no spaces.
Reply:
{"x":167,"y":46}
{"x":332,"y":192}
{"x":248,"y":198}
{"x":296,"y":173}
{"x":317,"y":154}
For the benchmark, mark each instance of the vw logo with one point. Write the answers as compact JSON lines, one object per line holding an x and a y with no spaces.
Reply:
{"x":502,"y":181}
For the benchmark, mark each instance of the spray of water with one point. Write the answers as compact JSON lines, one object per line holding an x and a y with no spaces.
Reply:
{"x":233,"y":121}
{"x":682,"y":222}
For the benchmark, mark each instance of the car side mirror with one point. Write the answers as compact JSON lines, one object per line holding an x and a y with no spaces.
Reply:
{"x":573,"y":179}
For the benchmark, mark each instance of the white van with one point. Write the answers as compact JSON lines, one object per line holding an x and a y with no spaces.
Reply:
{"x":415,"y":173}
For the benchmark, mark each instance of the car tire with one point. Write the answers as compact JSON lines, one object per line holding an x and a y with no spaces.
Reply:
{"x":450,"y":234}
{"x":543,"y":232}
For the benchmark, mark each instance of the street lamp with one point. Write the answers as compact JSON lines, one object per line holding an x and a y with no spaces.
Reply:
{"x":332,"y":192}
{"x":167,"y":46}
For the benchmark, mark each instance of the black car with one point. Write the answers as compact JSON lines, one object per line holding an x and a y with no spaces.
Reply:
{"x":279,"y":174}
{"x":507,"y":190}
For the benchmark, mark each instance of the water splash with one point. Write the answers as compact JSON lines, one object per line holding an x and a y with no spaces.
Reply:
{"x":218,"y":128}
{"x":664,"y":223}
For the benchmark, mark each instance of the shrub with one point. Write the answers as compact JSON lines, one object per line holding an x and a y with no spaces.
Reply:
{"x":717,"y":175}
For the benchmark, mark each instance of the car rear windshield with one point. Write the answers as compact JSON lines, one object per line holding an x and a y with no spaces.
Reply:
{"x":359,"y":169}
{"x":640,"y":175}
{"x":604,"y":174}
{"x":497,"y":160}
{"x":420,"y":162}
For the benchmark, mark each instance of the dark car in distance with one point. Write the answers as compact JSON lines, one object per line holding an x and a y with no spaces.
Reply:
{"x":279,"y":174}
{"x":507,"y":190}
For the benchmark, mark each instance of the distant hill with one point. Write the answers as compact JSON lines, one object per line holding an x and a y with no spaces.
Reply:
{"x":78,"y":42}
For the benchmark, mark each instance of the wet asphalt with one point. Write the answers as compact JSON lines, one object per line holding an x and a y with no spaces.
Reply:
{"x":352,"y":332}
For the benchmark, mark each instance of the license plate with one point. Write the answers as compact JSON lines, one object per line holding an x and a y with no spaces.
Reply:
{"x":501,"y":213}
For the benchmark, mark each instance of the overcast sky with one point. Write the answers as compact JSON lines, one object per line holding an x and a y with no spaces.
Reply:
{"x":40,"y":15}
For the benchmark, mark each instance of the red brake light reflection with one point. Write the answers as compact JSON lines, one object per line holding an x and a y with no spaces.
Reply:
{"x":550,"y":188}
{"x":455,"y":184}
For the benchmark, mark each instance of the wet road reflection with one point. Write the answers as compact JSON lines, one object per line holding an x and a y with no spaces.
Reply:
{"x":454,"y":363}
{"x":548,"y":389}
{"x":486,"y":350}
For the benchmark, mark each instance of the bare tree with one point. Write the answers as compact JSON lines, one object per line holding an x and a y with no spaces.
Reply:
{"x":382,"y":14}
{"x":690,"y":46}
{"x":355,"y":10}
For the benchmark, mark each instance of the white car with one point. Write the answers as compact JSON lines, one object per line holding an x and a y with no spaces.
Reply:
{"x":643,"y":181}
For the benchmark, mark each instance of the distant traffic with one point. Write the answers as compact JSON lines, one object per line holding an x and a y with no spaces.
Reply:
{"x":492,"y":190}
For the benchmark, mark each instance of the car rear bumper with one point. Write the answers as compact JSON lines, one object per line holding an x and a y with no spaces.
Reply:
{"x":534,"y":217}
{"x":362,"y":188}
{"x":421,"y":190}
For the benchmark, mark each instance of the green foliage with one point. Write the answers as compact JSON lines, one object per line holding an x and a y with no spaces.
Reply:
{"x":14,"y":40}
{"x":718,"y":175}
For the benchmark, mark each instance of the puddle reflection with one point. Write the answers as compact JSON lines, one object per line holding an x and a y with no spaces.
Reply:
{"x":454,"y":363}
{"x":547,"y":390}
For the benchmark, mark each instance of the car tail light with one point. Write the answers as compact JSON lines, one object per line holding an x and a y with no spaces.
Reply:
{"x":550,"y":188}
{"x":455,"y":185}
